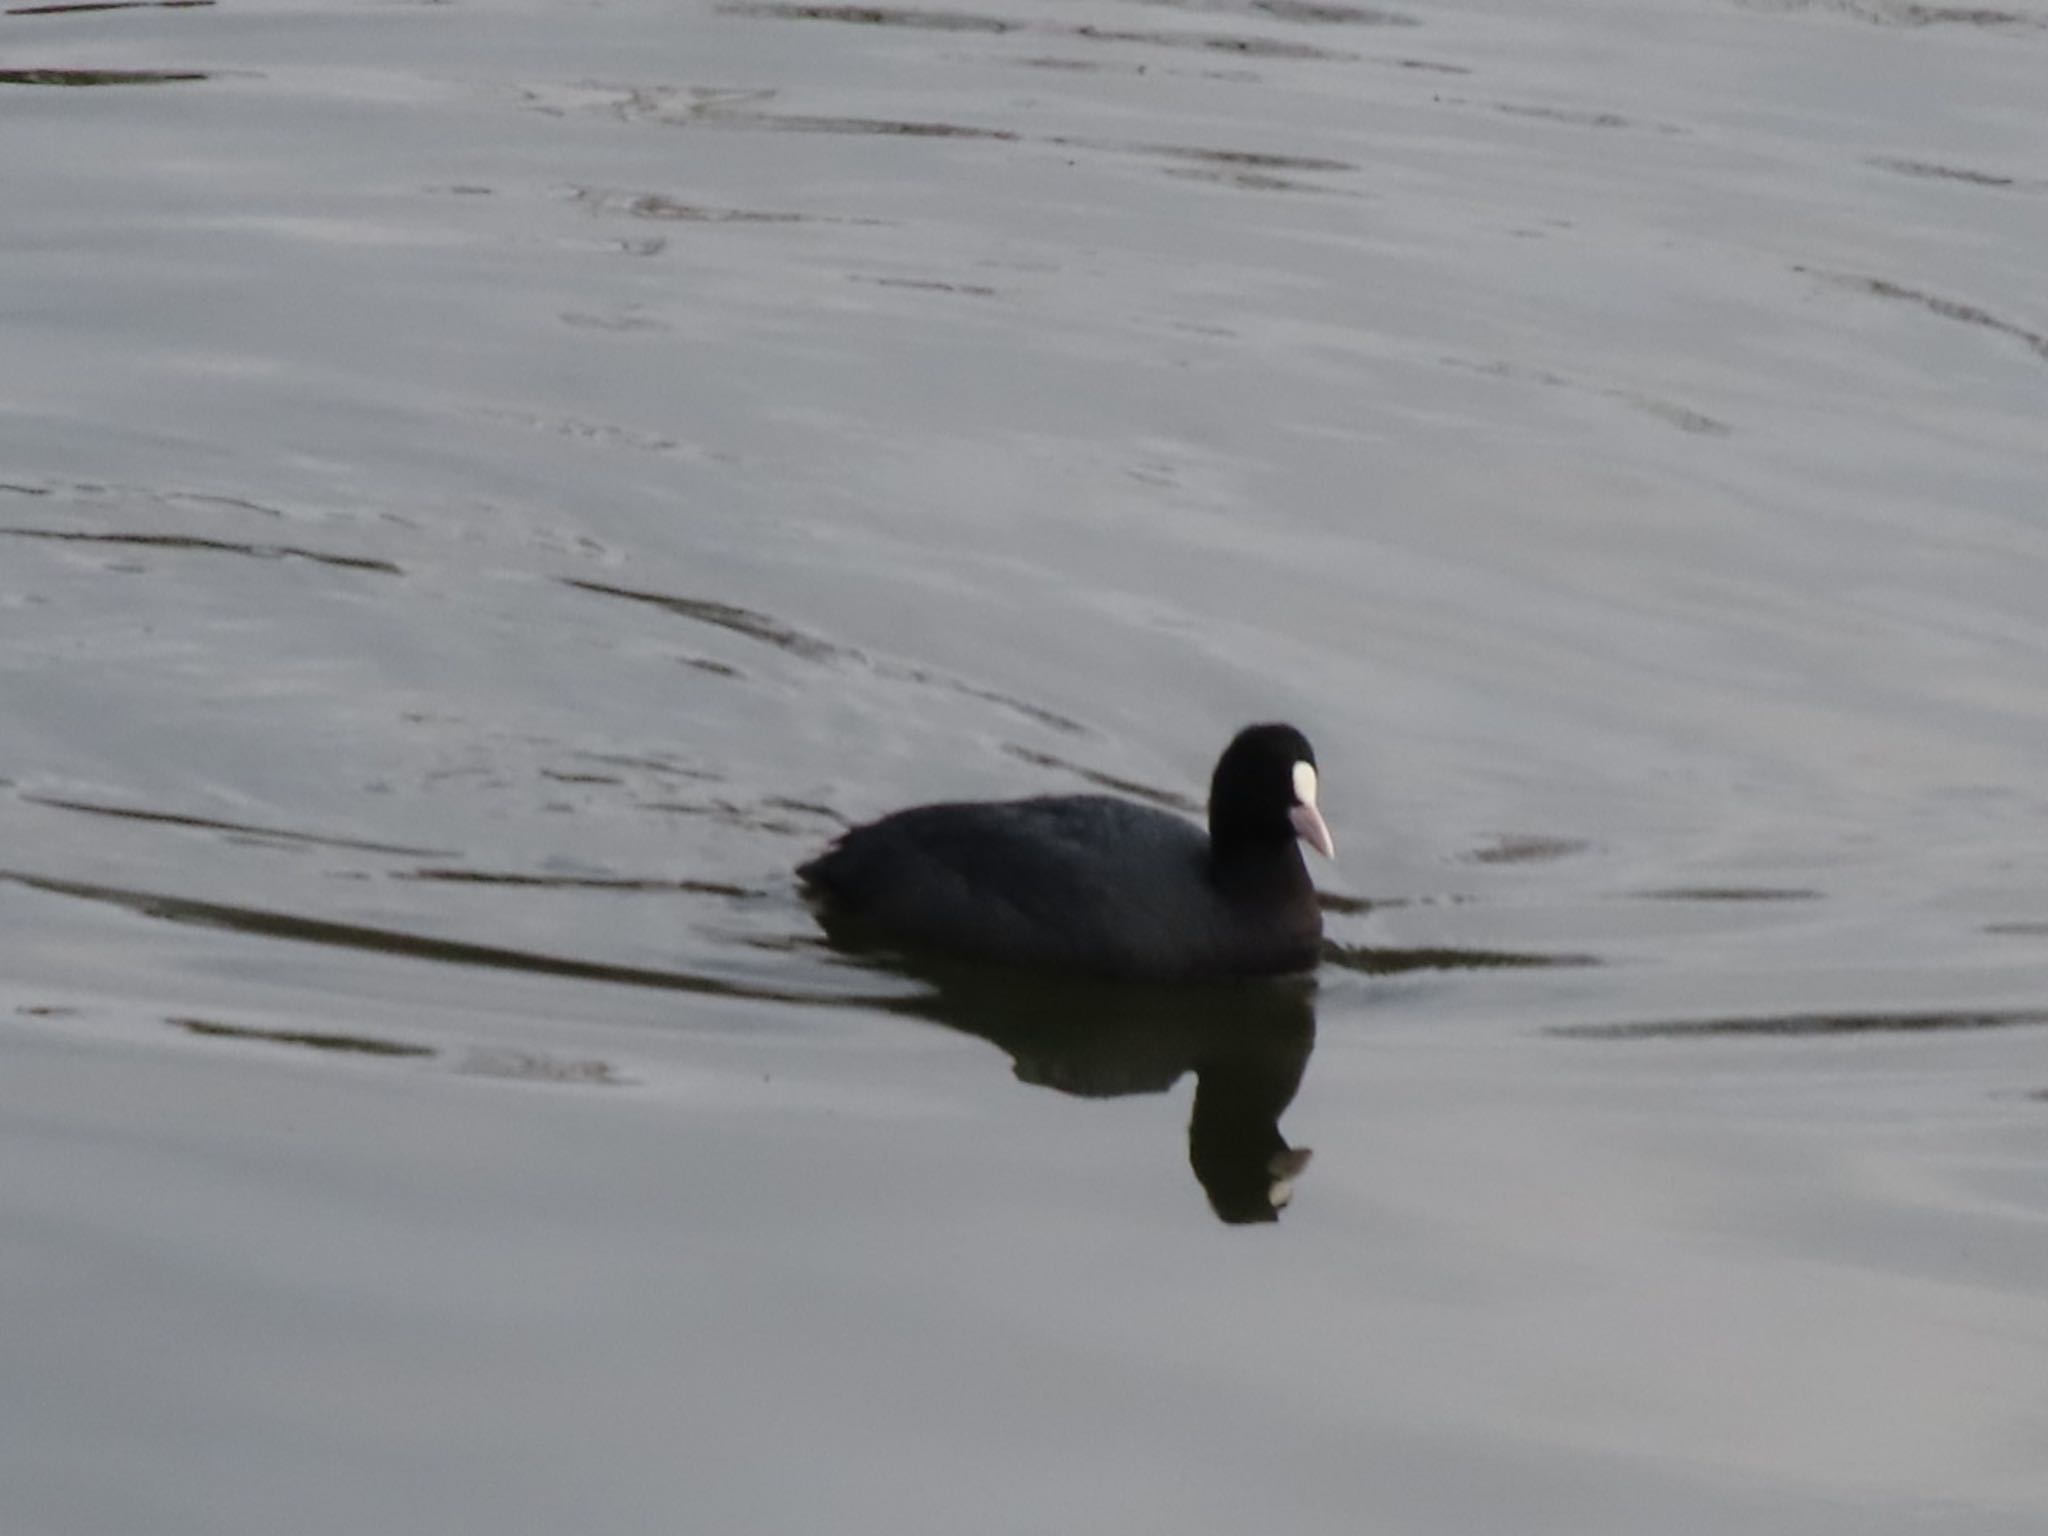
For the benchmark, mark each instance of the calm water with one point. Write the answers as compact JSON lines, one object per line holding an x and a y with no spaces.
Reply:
{"x":486,"y":488}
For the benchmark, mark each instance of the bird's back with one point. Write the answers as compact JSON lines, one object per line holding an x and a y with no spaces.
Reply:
{"x":1074,"y":882}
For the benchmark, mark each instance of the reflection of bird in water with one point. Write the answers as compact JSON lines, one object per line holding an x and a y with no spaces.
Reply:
{"x":1247,"y":1046}
{"x":1234,"y":1140}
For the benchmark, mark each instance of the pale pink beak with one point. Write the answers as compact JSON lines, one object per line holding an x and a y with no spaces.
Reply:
{"x":1308,"y":826}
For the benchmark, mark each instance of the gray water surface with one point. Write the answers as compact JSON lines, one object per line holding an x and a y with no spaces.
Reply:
{"x":487,"y":488}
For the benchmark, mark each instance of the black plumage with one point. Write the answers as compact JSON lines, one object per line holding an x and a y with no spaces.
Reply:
{"x":1094,"y":885}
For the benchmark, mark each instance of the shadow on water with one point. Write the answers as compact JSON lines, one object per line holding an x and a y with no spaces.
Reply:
{"x":1247,"y":1046}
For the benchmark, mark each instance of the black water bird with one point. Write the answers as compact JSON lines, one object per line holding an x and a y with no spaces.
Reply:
{"x":1096,"y":886}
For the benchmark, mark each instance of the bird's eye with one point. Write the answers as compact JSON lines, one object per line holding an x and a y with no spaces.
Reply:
{"x":1305,"y":783}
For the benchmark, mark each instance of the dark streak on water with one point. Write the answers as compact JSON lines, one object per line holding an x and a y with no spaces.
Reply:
{"x":180,"y":541}
{"x":410,"y":946}
{"x":493,"y":1062}
{"x":805,"y":808}
{"x":1806,"y":1025}
{"x":1934,"y":304}
{"x":728,"y":616}
{"x":1348,"y":906}
{"x":84,"y":491}
{"x":1528,"y":850}
{"x":1065,"y":724}
{"x":531,"y":1067}
{"x":360,"y":1045}
{"x":652,"y":765}
{"x":790,"y":122}
{"x":1902,"y":13}
{"x":97,"y":76}
{"x":1728,"y":893}
{"x":1137,"y":791}
{"x":731,"y":814}
{"x":1320,"y":14}
{"x":964,"y":21}
{"x":1249,"y":159}
{"x":1683,"y":417}
{"x":109,"y":5}
{"x":1573,"y":117}
{"x":584,"y":883}
{"x":243,"y":829}
{"x":1935,"y":171}
{"x":643,"y":103}
{"x":870,"y":16}
{"x":772,"y":631}
{"x":926,"y":285}
{"x":1309,"y":12}
{"x":582,"y":431}
{"x":1373,"y":960}
{"x":1076,"y":66}
{"x":1246,"y":181}
{"x":1250,"y":47}
{"x":667,"y":210}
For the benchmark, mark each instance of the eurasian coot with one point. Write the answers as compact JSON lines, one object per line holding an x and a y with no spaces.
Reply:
{"x":1093,"y":885}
